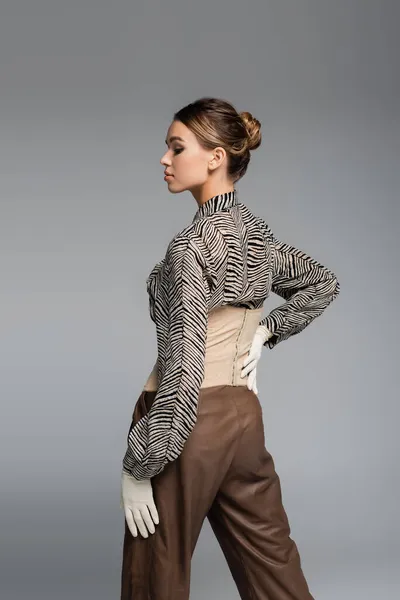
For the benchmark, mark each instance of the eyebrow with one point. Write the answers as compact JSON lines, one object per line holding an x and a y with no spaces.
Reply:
{"x":174,"y":137}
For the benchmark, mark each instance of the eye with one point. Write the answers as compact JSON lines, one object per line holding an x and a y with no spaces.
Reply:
{"x":178,"y":150}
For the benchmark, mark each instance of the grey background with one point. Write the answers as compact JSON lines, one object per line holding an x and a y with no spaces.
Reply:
{"x":88,"y":90}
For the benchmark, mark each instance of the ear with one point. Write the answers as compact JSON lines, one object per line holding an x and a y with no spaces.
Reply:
{"x":218,"y":158}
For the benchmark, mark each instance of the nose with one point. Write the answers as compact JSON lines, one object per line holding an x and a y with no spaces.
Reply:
{"x":164,"y":161}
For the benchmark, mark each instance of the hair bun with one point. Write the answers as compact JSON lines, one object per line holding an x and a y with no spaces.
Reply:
{"x":253,"y":127}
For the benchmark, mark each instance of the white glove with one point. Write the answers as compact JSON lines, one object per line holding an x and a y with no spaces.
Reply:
{"x":138,"y":503}
{"x":261,"y":335}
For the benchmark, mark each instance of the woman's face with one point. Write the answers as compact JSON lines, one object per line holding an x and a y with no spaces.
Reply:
{"x":185,"y":159}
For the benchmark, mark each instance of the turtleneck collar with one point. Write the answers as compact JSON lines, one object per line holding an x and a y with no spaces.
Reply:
{"x":219,"y":202}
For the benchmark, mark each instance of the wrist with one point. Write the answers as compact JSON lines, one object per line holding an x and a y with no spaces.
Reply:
{"x":265,"y":333}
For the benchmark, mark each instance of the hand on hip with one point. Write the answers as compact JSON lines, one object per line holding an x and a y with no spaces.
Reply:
{"x":250,"y":362}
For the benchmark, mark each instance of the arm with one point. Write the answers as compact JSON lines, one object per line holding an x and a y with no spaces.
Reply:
{"x":160,"y":435}
{"x":151,"y":285}
{"x":307,"y":286}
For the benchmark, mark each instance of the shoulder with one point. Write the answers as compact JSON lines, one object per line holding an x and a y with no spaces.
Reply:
{"x":182,"y":243}
{"x":188,"y":245}
{"x":249,"y":215}
{"x":262,"y":224}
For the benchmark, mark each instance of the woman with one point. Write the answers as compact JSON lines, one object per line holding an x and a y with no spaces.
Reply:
{"x":196,"y":442}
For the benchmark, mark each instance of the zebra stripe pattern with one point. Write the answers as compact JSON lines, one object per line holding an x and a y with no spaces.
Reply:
{"x":226,"y":255}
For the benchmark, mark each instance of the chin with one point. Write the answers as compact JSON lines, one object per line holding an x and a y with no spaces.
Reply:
{"x":174,"y":189}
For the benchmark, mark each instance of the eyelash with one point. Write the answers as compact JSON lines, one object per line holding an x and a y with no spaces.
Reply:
{"x":178,"y":150}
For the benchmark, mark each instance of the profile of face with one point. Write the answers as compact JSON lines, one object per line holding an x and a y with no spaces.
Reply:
{"x":187,"y":161}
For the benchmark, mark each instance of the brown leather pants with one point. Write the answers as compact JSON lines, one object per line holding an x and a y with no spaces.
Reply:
{"x":226,"y":474}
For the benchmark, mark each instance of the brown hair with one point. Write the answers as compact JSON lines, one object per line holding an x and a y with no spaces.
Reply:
{"x":215,"y":122}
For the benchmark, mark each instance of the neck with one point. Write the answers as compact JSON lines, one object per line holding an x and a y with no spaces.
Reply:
{"x":210,"y":189}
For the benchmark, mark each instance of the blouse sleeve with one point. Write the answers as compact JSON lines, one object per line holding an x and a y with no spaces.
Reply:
{"x":151,"y":285}
{"x":307,"y":286}
{"x":160,"y":435}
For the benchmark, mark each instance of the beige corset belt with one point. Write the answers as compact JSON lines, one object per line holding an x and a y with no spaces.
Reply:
{"x":229,"y":335}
